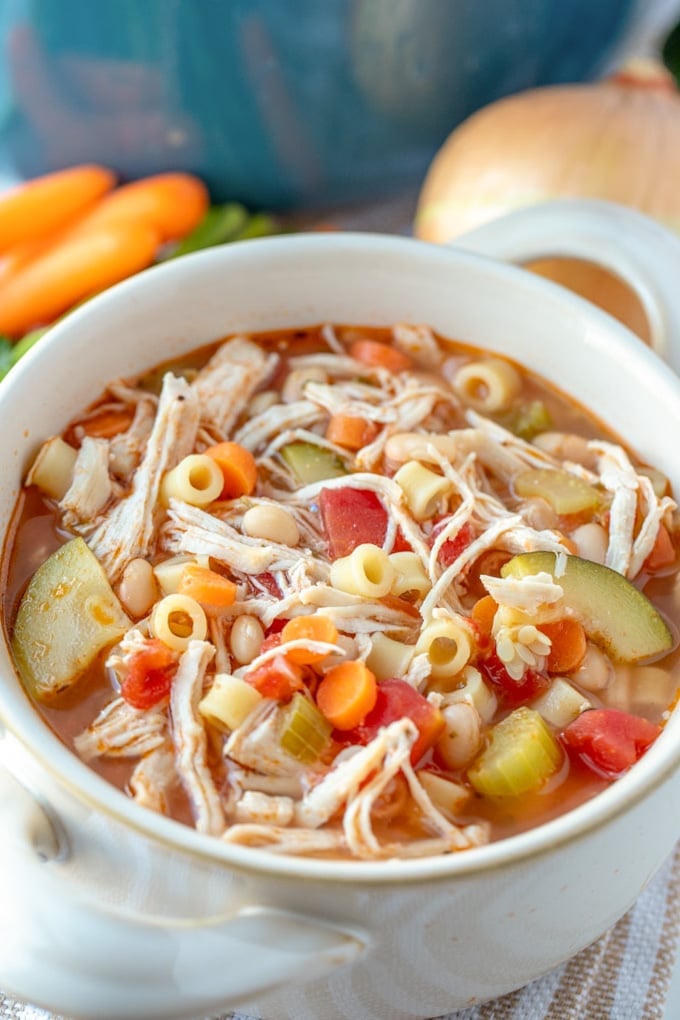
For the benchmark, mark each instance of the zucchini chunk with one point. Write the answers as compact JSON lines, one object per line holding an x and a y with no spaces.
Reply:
{"x":615,"y":614}
{"x":311,"y":463}
{"x":68,"y":614}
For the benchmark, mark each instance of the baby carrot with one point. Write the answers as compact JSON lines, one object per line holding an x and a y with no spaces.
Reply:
{"x":379,"y":355}
{"x":238,"y":468}
{"x":40,"y":206}
{"x":172,"y":203}
{"x":350,"y":432}
{"x":19,"y":255}
{"x":308,"y":628}
{"x":71,"y":270}
{"x":568,"y":644}
{"x":211,"y":589}
{"x":347,"y":694}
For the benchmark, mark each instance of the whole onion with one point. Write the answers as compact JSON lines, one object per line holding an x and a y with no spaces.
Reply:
{"x":617,"y":139}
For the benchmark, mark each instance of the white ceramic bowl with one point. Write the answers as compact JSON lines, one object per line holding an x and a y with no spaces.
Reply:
{"x":116,"y":912}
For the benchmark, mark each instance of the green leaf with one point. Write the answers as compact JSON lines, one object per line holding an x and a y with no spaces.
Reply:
{"x":220,"y":224}
{"x":26,"y":343}
{"x":260,"y":224}
{"x":6,"y":348}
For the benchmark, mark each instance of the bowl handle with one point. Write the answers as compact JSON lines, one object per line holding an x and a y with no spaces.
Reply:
{"x":67,"y":953}
{"x":633,"y":246}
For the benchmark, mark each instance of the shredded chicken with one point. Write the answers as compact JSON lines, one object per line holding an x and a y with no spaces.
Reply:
{"x":631,"y":494}
{"x":121,"y":731}
{"x":261,"y":428}
{"x":189,"y":738}
{"x":91,"y":487}
{"x":418,"y":342}
{"x":189,"y":529}
{"x":264,"y":809}
{"x":226,"y":384}
{"x":153,"y":778}
{"x":127,"y":448}
{"x":129,"y":529}
{"x":280,"y":840}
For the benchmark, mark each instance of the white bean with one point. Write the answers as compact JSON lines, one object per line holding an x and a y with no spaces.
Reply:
{"x":246,"y":639}
{"x":567,"y":446}
{"x":595,"y":672}
{"x":272,"y":523}
{"x":138,"y":589}
{"x":462,"y":736}
{"x":591,"y":541}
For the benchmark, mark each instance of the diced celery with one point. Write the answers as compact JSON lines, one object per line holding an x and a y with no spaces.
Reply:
{"x":615,"y":614}
{"x":69,"y":613}
{"x":521,"y":754}
{"x":528,"y":419}
{"x":566,"y":493}
{"x":312,"y":463}
{"x":305,"y":732}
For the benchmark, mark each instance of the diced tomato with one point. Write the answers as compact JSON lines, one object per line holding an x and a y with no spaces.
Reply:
{"x":609,"y":740}
{"x":276,"y":626}
{"x":149,"y":676}
{"x":277,"y":678}
{"x":352,"y":517}
{"x":396,"y":700}
{"x":452,"y":547}
{"x":513,"y":692}
{"x":268,"y":581}
{"x":272,"y":638}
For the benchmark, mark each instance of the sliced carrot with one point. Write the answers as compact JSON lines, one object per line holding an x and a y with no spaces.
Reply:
{"x":347,"y":693}
{"x":72,"y":270}
{"x":40,"y":206}
{"x":379,"y":355}
{"x":211,"y":589}
{"x":172,"y":203}
{"x":108,"y":424}
{"x":308,"y":628}
{"x":662,"y":553}
{"x":350,"y":432}
{"x":238,"y":468}
{"x":568,"y":644}
{"x":483,"y":613}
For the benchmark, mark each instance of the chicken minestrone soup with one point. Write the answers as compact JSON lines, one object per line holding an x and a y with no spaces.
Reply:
{"x":347,"y":592}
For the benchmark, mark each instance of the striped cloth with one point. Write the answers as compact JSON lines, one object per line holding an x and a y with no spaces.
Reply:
{"x":623,"y":976}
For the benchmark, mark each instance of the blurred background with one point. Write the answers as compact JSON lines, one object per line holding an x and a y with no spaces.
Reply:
{"x":285,"y":104}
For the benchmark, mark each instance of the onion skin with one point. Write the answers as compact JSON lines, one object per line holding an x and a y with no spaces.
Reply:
{"x":617,"y":139}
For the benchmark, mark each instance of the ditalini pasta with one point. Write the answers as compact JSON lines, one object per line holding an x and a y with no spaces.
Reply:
{"x":366,"y":606}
